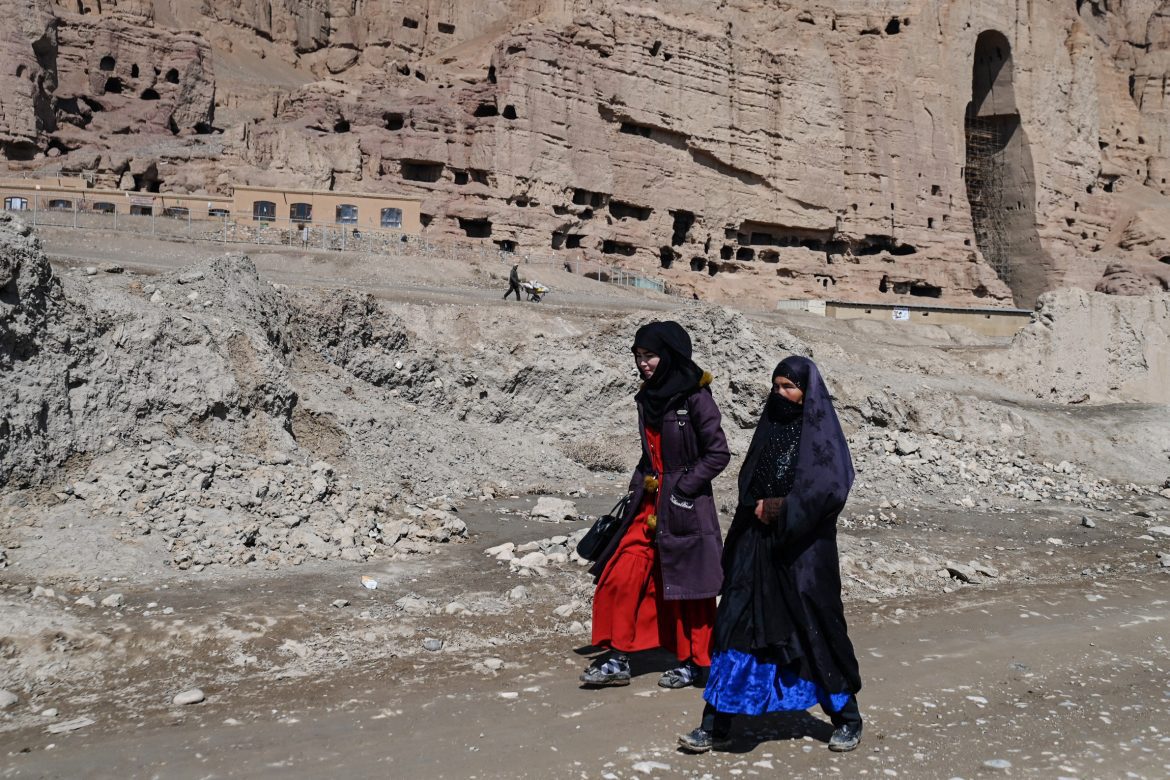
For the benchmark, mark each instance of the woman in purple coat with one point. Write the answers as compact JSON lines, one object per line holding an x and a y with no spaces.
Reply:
{"x":780,"y":640}
{"x":657,"y":580}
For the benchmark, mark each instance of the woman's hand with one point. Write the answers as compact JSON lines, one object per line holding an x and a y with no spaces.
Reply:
{"x":760,"y":511}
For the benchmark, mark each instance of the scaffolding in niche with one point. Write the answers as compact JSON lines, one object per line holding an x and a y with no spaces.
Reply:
{"x":984,"y":176}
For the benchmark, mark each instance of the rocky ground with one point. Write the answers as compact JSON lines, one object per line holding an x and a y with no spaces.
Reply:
{"x":322,"y":515}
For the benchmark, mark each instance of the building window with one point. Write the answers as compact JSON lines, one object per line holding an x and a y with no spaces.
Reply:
{"x":347,"y":214}
{"x":178,"y":212}
{"x":142,"y":211}
{"x":105,"y":207}
{"x":263,"y":211}
{"x":61,"y":203}
{"x":217,"y":212}
{"x":301,"y":212}
{"x":15,"y":204}
{"x":392,"y":218}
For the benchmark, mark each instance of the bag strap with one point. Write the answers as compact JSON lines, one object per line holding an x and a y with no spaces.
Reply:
{"x":619,"y":508}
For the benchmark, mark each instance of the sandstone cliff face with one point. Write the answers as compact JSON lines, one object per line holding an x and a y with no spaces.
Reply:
{"x":941,"y":151}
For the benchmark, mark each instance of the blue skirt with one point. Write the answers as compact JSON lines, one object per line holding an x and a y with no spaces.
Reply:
{"x":741,"y":684}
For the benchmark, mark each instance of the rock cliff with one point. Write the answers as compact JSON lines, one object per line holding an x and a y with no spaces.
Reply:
{"x":940,"y":151}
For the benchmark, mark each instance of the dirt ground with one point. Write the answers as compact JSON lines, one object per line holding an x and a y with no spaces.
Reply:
{"x":1054,"y":661}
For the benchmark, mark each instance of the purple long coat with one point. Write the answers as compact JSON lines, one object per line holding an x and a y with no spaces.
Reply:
{"x":689,"y":542}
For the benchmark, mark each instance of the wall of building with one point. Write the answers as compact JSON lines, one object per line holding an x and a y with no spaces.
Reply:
{"x":987,"y":322}
{"x":73,"y":193}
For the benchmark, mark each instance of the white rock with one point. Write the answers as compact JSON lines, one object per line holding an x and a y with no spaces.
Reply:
{"x":495,"y":664}
{"x":1161,"y":530}
{"x":564,"y":610}
{"x":1088,"y":522}
{"x":192,"y":696}
{"x":190,"y":277}
{"x":518,"y":593}
{"x":905,"y":445}
{"x":114,"y":601}
{"x":433,"y":645}
{"x":997,"y":763}
{"x":7,"y":699}
{"x":500,"y":548}
{"x":85,"y":601}
{"x":554,"y":509}
{"x":91,"y":270}
{"x":650,"y":767}
{"x":533,"y":560}
{"x":49,"y":713}
{"x":339,"y":603}
{"x":412,"y":605}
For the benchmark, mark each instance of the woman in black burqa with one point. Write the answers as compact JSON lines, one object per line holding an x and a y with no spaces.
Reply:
{"x":780,"y":640}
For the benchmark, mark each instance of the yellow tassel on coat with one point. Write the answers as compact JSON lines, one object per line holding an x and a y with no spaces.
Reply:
{"x":651,"y":484}
{"x":652,"y":522}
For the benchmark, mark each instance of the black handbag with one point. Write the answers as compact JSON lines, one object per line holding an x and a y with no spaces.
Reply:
{"x":597,"y":538}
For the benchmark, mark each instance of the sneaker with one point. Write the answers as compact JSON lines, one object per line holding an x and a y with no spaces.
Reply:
{"x":845,"y":738}
{"x":685,"y":676}
{"x":700,"y":741}
{"x":614,"y":670}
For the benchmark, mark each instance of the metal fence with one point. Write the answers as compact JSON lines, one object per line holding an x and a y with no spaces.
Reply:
{"x":179,"y":224}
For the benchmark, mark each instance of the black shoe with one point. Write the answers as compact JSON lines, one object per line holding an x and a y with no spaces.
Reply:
{"x":685,"y":676}
{"x":845,"y":738}
{"x":614,"y":670}
{"x":700,"y":741}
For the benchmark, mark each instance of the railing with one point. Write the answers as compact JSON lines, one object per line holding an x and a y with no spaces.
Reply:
{"x":228,"y":228}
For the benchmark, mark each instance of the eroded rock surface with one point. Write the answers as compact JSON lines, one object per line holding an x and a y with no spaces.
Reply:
{"x":941,"y":151}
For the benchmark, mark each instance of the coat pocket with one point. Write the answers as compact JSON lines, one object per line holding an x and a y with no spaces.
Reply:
{"x":685,"y":515}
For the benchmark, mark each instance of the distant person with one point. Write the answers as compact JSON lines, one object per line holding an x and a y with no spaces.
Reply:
{"x":304,"y":235}
{"x":780,"y":640}
{"x":513,"y":282}
{"x":657,"y":581}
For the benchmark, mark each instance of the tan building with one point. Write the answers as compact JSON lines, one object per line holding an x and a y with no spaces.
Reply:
{"x":361,"y":210}
{"x":988,"y":322}
{"x":366,"y":211}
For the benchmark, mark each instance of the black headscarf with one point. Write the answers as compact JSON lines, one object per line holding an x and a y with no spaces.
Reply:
{"x":823,"y":469}
{"x":775,"y":468}
{"x":676,"y":373}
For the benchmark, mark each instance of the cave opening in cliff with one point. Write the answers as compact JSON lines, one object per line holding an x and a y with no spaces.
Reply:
{"x":999,"y":174}
{"x":683,"y":221}
{"x":612,"y":247}
{"x":666,"y":256}
{"x":475,"y":228}
{"x":114,"y":85}
{"x":422,"y":170}
{"x":393,"y":121}
{"x":107,"y":63}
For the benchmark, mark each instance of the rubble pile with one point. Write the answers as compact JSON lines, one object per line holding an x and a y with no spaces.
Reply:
{"x":940,"y":470}
{"x":220,"y":506}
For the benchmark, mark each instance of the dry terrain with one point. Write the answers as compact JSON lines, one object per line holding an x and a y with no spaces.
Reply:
{"x":204,"y":454}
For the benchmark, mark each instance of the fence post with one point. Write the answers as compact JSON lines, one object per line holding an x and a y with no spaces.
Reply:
{"x":115,"y":218}
{"x":36,"y":200}
{"x":153,"y":218}
{"x":75,"y":215}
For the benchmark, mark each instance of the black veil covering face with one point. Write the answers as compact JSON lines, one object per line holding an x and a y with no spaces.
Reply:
{"x":676,"y":373}
{"x":782,"y":591}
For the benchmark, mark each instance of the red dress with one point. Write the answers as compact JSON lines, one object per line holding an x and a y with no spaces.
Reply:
{"x":629,"y":613}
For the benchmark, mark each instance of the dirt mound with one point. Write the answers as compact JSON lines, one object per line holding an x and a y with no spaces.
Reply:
{"x":93,"y":365}
{"x":1091,"y":347}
